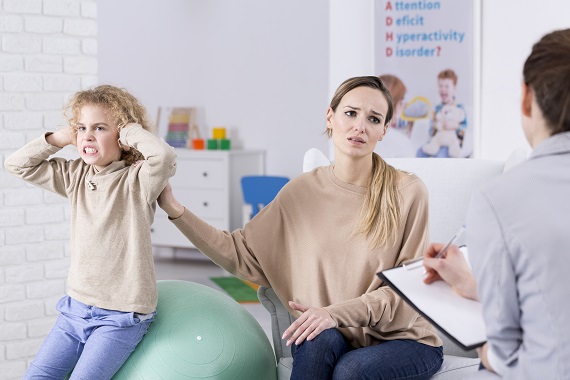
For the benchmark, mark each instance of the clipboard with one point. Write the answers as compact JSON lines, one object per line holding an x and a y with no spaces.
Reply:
{"x":459,"y":318}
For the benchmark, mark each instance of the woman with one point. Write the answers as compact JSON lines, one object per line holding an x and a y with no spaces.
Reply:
{"x":320,"y":243}
{"x":517,"y":233}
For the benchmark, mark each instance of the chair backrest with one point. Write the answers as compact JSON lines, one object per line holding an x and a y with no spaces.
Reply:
{"x":258,"y":191}
{"x":450,"y":183}
{"x":313,"y":158}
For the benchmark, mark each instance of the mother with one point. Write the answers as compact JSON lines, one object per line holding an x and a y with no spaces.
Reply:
{"x":322,"y":240}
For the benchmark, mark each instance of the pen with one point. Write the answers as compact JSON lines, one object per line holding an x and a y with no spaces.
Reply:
{"x":417,"y":263}
{"x":444,"y":249}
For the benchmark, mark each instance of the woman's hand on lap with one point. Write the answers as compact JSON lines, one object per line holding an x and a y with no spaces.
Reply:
{"x":311,"y":323}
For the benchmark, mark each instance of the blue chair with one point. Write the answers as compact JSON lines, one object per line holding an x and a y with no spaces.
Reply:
{"x":258,"y":191}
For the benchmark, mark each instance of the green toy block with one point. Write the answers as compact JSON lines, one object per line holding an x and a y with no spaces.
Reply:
{"x":225,"y":144}
{"x":213,"y":144}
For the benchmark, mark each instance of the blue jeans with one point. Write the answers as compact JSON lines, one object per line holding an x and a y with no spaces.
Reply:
{"x":329,"y":356}
{"x":92,"y":342}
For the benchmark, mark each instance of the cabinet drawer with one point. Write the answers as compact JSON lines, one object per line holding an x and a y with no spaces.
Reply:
{"x":199,"y":174}
{"x":205,"y":203}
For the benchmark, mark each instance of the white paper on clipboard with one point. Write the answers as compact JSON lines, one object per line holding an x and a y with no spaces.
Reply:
{"x":459,"y":318}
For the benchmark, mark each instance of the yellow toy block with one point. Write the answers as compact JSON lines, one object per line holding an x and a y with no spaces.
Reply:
{"x":219,"y":133}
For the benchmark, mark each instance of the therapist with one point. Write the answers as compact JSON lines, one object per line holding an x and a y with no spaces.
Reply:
{"x":519,"y":237}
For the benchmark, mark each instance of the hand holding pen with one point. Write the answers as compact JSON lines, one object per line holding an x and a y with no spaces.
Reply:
{"x":447,"y":263}
{"x":453,"y":239}
{"x":417,"y":263}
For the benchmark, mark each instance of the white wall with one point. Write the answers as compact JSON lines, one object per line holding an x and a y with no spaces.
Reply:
{"x":509,"y":29}
{"x":47,"y":51}
{"x":351,"y":41}
{"x":258,"y":67}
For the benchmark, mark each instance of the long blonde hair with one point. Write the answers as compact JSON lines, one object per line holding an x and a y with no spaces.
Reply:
{"x":380,"y":214}
{"x":124,"y":107}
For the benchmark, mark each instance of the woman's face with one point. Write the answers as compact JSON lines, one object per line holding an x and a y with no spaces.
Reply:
{"x":359,"y":121}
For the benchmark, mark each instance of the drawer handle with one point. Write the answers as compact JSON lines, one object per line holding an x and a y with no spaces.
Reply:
{"x":205,"y":204}
{"x":204,"y":174}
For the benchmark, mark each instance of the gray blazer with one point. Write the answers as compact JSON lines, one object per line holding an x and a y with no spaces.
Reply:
{"x":518,"y":233}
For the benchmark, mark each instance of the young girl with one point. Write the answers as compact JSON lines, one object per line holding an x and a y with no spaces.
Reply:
{"x":112,"y":192}
{"x":320,"y":243}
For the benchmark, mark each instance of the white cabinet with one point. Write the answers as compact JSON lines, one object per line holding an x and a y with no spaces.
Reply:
{"x":207,"y":182}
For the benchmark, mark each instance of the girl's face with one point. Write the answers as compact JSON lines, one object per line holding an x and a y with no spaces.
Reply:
{"x":97,"y":137}
{"x":359,"y":121}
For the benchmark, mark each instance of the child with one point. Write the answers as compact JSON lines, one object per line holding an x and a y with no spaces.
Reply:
{"x":446,"y":85}
{"x":112,"y":190}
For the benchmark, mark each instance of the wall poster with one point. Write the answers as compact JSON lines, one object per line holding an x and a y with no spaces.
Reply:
{"x":427,"y":53}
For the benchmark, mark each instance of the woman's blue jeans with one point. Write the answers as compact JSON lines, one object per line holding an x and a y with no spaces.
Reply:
{"x":92,"y":342}
{"x":329,"y":356}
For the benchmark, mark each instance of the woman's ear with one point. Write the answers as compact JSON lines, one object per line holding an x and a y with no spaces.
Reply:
{"x":526,"y":101}
{"x":385,"y":131}
{"x":330,"y":114}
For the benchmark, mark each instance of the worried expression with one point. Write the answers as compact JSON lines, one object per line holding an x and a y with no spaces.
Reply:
{"x":359,"y":121}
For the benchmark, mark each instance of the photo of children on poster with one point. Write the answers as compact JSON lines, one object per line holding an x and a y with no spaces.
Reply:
{"x":424,"y":53}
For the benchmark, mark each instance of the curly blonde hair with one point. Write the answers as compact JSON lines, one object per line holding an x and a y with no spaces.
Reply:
{"x":124,"y":107}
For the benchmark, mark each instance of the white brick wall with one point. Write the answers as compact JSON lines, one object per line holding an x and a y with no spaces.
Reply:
{"x":48,"y":50}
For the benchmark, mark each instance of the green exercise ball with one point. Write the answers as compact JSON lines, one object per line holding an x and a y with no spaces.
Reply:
{"x":200,"y":333}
